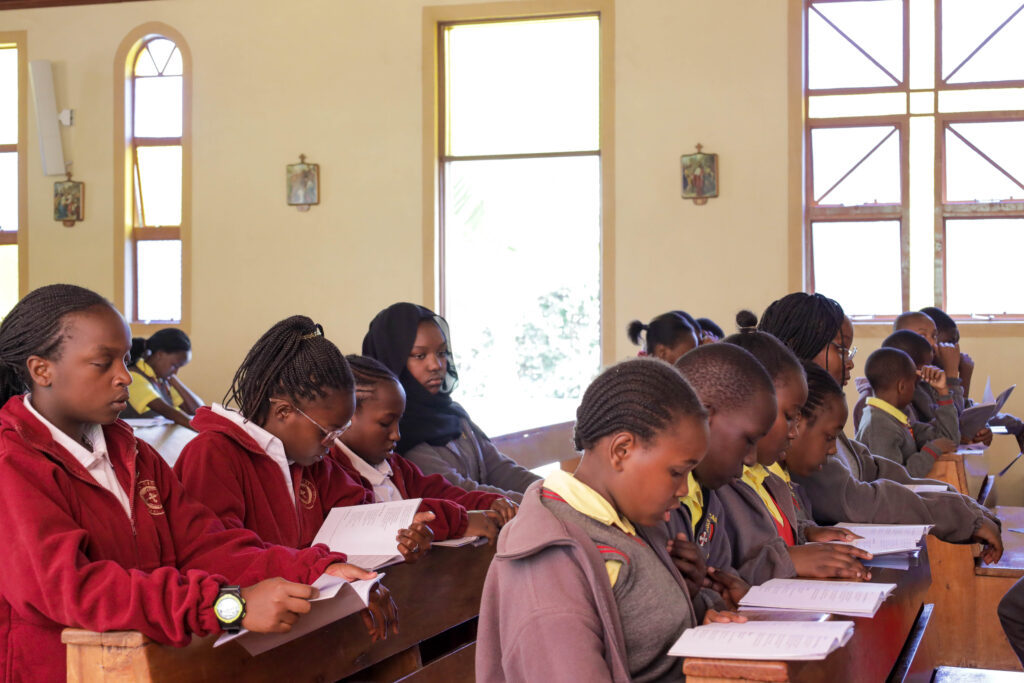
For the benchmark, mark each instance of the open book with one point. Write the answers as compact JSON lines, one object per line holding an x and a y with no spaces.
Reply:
{"x":338,"y":599}
{"x":367,"y":533}
{"x":835,"y":597}
{"x":885,"y":539}
{"x":973,"y":419}
{"x":786,"y":640}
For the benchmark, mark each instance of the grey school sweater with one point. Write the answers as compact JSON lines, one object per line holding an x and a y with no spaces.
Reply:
{"x":550,"y":613}
{"x":885,"y":435}
{"x":473,"y":463}
{"x":943,"y":415}
{"x":856,"y":486}
{"x":758,"y":552}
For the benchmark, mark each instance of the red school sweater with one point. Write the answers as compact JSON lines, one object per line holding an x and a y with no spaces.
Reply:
{"x":447,"y":501}
{"x":226,"y":469}
{"x":73,"y":558}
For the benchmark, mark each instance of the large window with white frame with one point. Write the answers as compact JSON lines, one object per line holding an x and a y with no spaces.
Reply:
{"x":154,"y":122}
{"x":914,"y":144}
{"x":520,"y":214}
{"x":11,"y":162}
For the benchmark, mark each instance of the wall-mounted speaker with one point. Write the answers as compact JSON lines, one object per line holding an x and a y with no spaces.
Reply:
{"x":50,"y":148}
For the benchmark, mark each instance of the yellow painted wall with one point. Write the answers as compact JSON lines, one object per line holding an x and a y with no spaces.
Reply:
{"x":341,"y":81}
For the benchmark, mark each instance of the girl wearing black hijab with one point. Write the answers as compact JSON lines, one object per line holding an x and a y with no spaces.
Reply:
{"x":437,"y":434}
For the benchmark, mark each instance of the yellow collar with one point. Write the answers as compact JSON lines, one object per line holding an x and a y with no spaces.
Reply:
{"x":781,"y":472}
{"x":754,"y":478}
{"x":693,"y":500}
{"x":889,"y":408}
{"x":142,"y":366}
{"x":586,"y":500}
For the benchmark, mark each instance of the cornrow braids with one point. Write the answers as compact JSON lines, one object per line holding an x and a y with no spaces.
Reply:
{"x":37,"y":326}
{"x":775,"y":356}
{"x":368,"y":373}
{"x":640,"y":396}
{"x":820,"y":386}
{"x":806,"y":323}
{"x":292,"y":358}
{"x":725,"y":376}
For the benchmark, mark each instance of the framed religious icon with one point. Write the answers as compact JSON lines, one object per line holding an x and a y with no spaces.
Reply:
{"x":700,"y":176}
{"x":69,"y":201}
{"x":303,"y":183}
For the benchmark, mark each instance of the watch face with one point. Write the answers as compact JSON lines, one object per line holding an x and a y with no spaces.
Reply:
{"x":228,"y":608}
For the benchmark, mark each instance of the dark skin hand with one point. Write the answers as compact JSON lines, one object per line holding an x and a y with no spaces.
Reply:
{"x":829,"y":561}
{"x":689,"y":560}
{"x":505,"y":510}
{"x":731,"y":587}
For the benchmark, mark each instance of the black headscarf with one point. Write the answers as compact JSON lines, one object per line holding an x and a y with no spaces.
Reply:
{"x":433,"y":418}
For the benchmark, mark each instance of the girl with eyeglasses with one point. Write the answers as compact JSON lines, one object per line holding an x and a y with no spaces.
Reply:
{"x":437,"y":433}
{"x":262,"y":466}
{"x":855,"y":485}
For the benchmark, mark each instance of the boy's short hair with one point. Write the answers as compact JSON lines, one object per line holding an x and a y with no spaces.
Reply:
{"x":905,"y":320}
{"x":724,"y":376}
{"x":914,"y":345}
{"x":887,"y":366}
{"x":943,"y":323}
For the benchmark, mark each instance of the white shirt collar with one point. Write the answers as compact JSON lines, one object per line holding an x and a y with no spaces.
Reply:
{"x":93,"y":432}
{"x":270,"y":444}
{"x":375,"y":475}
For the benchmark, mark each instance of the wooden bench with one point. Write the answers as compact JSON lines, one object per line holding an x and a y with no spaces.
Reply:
{"x":541,"y":446}
{"x":965,"y":593}
{"x":438,"y":600}
{"x":880,"y":647}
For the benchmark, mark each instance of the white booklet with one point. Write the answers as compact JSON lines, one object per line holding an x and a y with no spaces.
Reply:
{"x":977,"y":416}
{"x":338,"y":599}
{"x":884,"y":539}
{"x":367,"y":533}
{"x":927,"y":488}
{"x":837,"y":597}
{"x":459,"y":542}
{"x":786,"y":640}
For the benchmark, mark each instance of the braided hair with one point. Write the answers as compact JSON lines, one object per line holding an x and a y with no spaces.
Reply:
{"x":292,"y":358}
{"x":640,"y":396}
{"x":820,"y":386}
{"x":37,"y":326}
{"x":168,"y":340}
{"x":806,"y":323}
{"x":775,"y":356}
{"x":368,"y":373}
{"x":667,"y":329}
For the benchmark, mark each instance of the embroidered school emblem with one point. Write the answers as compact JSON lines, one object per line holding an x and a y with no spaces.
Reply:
{"x":150,"y":495}
{"x":706,"y":535}
{"x":307,"y":494}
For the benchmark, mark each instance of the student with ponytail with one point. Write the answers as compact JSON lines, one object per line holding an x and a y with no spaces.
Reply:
{"x":156,"y":389}
{"x":97,"y":531}
{"x":667,"y":337}
{"x":854,"y":485}
{"x":263,"y":466}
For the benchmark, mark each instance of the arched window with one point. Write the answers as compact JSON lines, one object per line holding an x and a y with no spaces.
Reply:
{"x":155,"y":180}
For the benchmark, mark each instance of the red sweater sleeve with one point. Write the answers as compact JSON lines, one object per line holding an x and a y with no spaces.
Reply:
{"x":53,"y":578}
{"x":419,"y":485}
{"x":202,"y":541}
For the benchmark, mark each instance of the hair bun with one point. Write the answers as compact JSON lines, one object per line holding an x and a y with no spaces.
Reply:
{"x":746,"y":321}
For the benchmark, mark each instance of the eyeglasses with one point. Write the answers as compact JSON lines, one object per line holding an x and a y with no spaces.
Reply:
{"x":847,"y":353}
{"x":329,"y":435}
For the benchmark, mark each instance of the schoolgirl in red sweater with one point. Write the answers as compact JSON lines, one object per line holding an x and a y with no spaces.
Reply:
{"x":97,"y":531}
{"x":255,"y":468}
{"x":367,"y":452}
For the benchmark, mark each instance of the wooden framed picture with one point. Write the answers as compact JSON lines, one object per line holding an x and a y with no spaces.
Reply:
{"x":69,"y":201}
{"x":700,"y":176}
{"x":303,"y":183}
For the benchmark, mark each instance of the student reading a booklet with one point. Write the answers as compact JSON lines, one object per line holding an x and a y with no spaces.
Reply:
{"x":738,"y":395}
{"x":263,"y":466}
{"x":367,"y":452}
{"x":768,"y":539}
{"x":574,"y":592}
{"x":854,"y":485}
{"x":97,"y":531}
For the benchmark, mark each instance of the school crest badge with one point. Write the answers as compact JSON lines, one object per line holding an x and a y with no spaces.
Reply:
{"x":307,"y":494}
{"x":150,"y":495}
{"x":706,"y":534}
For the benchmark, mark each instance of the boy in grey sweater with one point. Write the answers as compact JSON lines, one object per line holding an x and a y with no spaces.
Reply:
{"x":885,"y":428}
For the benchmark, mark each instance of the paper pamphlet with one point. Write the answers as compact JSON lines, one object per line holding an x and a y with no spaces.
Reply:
{"x":366,"y":533}
{"x":884,"y":539}
{"x":787,"y":640}
{"x":927,"y":488}
{"x":459,"y":542}
{"x":973,"y":419}
{"x":338,"y":599}
{"x":143,"y":422}
{"x":836,"y":597}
